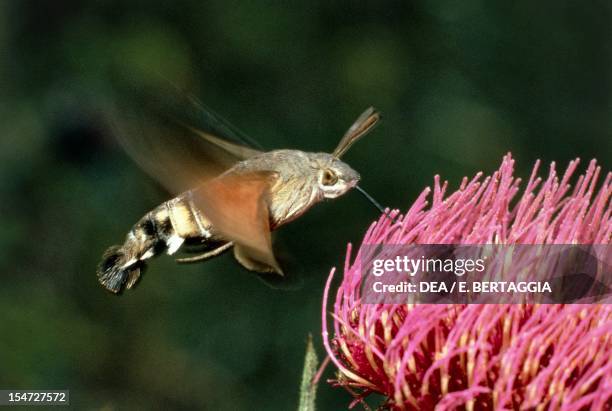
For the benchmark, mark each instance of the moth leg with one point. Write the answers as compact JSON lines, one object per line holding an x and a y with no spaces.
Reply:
{"x":206,"y":255}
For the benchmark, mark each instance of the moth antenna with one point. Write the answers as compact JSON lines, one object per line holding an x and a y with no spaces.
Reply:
{"x":362,"y":126}
{"x":375,"y":203}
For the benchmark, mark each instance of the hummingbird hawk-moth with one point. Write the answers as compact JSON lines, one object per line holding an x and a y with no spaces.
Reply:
{"x":228,"y":195}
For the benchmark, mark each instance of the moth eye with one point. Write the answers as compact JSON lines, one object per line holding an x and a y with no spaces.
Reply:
{"x":329,"y":178}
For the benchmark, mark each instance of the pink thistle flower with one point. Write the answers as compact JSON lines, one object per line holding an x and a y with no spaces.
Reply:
{"x":423,"y":356}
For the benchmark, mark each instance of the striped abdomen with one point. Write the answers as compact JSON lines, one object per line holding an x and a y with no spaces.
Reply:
{"x":165,"y":228}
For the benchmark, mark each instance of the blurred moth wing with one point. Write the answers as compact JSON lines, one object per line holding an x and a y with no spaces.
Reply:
{"x":238,"y":151}
{"x":178,"y":156}
{"x":362,"y":126}
{"x":237,"y":206}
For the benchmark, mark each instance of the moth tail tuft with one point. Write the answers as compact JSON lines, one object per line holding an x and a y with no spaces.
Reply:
{"x":114,"y":272}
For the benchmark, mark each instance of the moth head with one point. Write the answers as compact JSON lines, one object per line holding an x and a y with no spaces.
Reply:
{"x":334,"y":177}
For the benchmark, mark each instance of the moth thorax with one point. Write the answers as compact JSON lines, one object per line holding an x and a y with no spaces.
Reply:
{"x":289,"y":200}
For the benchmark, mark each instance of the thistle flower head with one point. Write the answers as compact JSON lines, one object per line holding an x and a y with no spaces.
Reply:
{"x":481,"y":356}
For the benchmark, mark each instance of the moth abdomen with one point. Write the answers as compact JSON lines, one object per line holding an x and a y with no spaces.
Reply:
{"x":164,"y":229}
{"x":122,"y":265}
{"x":114,"y":273}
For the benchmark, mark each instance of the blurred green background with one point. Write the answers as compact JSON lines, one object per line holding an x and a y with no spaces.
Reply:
{"x":459,"y":85}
